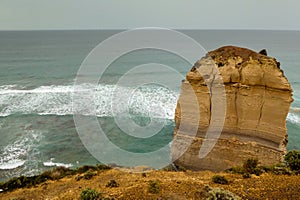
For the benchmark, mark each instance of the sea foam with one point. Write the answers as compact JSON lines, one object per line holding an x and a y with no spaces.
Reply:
{"x":15,"y":155}
{"x":293,"y":118}
{"x":12,"y":164}
{"x":58,"y":100}
{"x":54,"y":164}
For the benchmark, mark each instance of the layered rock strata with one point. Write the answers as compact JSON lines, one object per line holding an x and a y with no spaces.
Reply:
{"x":257,"y":99}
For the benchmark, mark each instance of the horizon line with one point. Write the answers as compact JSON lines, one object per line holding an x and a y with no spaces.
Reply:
{"x":122,"y":29}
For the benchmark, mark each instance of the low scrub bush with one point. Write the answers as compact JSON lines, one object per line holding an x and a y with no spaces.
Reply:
{"x":154,"y":187}
{"x":221,"y":194}
{"x":246,"y":175}
{"x":219,"y":179}
{"x":85,"y":168}
{"x":58,"y":173}
{"x":89,"y":194}
{"x":236,"y":170}
{"x":250,"y":165}
{"x":52,"y":174}
{"x":112,"y":183}
{"x":102,"y":167}
{"x":292,"y":159}
{"x":215,"y":194}
{"x":89,"y":175}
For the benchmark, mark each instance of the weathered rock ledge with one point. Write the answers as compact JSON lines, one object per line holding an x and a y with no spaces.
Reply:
{"x":258,"y":98}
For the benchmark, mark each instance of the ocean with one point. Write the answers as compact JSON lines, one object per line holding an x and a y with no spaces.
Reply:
{"x":37,"y":74}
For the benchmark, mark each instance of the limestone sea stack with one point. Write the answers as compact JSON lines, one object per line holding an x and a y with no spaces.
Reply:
{"x":257,"y":98}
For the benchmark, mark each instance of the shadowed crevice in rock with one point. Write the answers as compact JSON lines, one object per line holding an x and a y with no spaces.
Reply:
{"x":258,"y":98}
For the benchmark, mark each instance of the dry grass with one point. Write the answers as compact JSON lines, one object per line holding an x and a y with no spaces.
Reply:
{"x":173,"y":185}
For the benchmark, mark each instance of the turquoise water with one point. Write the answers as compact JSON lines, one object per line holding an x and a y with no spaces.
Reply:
{"x":37,"y":72}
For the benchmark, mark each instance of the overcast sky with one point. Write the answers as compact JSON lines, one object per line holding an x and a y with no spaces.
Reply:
{"x":125,"y":14}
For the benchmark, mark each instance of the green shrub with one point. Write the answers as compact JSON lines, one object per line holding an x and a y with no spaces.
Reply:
{"x":281,"y":170}
{"x":89,"y":175}
{"x":257,"y":171}
{"x":21,"y":182}
{"x":112,"y":183}
{"x":219,"y":179}
{"x":59,"y":172}
{"x":78,"y":178}
{"x":236,"y":170}
{"x":250,"y":165}
{"x":102,"y":167}
{"x":220,"y":194}
{"x":292,"y":159}
{"x":85,"y":168}
{"x":246,"y":175}
{"x":52,"y":174}
{"x":154,"y":187}
{"x":277,"y":169}
{"x":89,"y":194}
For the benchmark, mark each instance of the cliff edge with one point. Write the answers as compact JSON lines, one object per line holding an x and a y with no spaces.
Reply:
{"x":257,"y":100}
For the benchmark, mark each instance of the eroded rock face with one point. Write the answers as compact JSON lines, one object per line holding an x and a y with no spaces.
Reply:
{"x":258,"y":98}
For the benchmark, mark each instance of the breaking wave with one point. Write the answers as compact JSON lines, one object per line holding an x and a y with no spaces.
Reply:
{"x":57,"y":100}
{"x":16,"y":154}
{"x":12,"y":164}
{"x":55,"y":164}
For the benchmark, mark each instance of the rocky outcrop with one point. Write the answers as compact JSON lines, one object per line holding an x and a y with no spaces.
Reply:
{"x":257,"y":98}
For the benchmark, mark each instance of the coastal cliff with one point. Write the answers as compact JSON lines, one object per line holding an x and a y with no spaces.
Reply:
{"x":257,"y":100}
